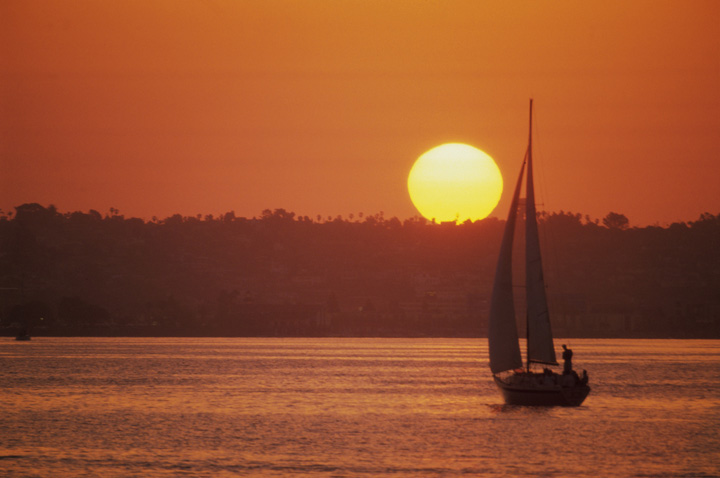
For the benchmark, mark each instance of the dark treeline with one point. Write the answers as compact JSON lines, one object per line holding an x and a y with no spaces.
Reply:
{"x":93,"y":274}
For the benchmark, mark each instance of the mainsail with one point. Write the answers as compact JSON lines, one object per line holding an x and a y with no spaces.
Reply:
{"x":502,"y":334}
{"x":540,"y":348}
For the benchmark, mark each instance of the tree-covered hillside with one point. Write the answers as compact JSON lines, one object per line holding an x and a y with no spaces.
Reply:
{"x":278,"y":274}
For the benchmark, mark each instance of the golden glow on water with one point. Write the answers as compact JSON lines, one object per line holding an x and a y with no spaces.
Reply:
{"x":346,"y":407}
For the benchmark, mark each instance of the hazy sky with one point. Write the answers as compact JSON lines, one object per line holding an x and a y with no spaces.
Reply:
{"x":321,"y":107}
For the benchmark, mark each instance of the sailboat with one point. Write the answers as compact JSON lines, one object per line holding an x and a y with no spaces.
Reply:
{"x":519,"y":384}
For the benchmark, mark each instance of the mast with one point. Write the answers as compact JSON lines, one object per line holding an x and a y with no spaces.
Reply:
{"x":528,"y":181}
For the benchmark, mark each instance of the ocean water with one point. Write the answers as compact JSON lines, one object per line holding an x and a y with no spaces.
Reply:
{"x":128,"y":407}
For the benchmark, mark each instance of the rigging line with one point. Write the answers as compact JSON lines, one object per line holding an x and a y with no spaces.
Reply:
{"x":543,"y":190}
{"x":548,"y":233}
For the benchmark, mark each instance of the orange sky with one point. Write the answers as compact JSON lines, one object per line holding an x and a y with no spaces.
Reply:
{"x":321,"y":107}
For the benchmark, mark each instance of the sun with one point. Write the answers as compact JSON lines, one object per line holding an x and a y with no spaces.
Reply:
{"x":455,"y":182}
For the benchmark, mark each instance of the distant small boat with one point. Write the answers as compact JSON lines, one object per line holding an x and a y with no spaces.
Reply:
{"x":521,"y":385}
{"x":23,"y":335}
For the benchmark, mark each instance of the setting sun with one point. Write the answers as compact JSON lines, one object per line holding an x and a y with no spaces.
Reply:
{"x":455,"y":182}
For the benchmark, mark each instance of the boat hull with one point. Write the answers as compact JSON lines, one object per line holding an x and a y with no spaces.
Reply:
{"x":543,"y":396}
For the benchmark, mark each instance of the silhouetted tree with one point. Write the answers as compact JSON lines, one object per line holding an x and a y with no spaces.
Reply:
{"x":616,"y":221}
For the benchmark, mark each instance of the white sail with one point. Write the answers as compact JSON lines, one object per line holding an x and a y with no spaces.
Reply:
{"x":502,"y":330}
{"x":539,"y":333}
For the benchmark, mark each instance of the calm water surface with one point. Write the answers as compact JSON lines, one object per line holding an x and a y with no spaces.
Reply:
{"x":75,"y":407}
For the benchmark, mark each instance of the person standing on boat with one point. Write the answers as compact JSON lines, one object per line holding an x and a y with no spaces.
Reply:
{"x":567,"y":357}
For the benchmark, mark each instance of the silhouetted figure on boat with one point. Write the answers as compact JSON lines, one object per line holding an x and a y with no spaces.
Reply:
{"x":567,"y":357}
